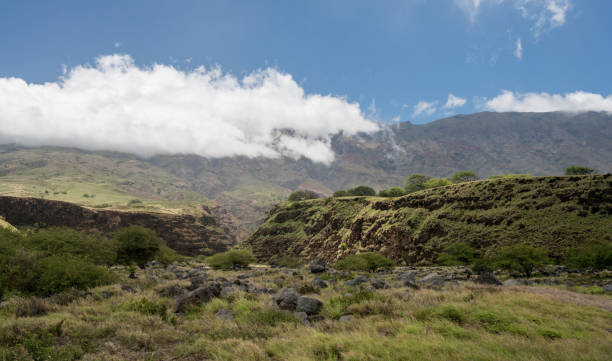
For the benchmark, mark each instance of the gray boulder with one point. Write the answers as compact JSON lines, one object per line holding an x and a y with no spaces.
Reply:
{"x":318,"y":266}
{"x":608,"y":287}
{"x":346,"y":318}
{"x":198,"y":296}
{"x":356,"y":281}
{"x":319,"y":283}
{"x":511,"y":282}
{"x":408,"y":279}
{"x":378,"y":284}
{"x":310,"y":306}
{"x":432,"y":280}
{"x":286,"y":299}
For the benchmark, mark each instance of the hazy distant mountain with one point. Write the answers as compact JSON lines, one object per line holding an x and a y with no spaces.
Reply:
{"x":487,"y":143}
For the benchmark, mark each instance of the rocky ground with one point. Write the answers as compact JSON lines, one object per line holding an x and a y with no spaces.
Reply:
{"x":187,"y":311}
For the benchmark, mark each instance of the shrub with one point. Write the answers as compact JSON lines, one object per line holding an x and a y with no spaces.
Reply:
{"x":596,"y":256}
{"x":392,"y":192}
{"x":521,"y":259}
{"x":369,"y":261}
{"x":362,"y":191}
{"x":285,"y":261}
{"x":416,"y":182}
{"x":137,"y":245}
{"x":167,"y":255}
{"x":59,"y":273}
{"x":578,"y":170}
{"x":341,"y":194}
{"x":231,"y":259}
{"x":463,"y":176}
{"x":458,"y":253}
{"x":337,"y":306}
{"x":499,"y":176}
{"x":437,"y":182}
{"x":452,"y":314}
{"x":302,"y":195}
{"x":146,"y":307}
{"x":66,"y":241}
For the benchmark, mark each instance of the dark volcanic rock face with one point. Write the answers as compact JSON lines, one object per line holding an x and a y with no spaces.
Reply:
{"x":183,"y":233}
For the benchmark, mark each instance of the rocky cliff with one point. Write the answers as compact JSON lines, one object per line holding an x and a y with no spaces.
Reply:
{"x":186,"y":234}
{"x":552,"y":212}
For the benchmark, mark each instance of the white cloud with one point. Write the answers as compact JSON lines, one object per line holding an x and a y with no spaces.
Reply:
{"x":518,"y":51}
{"x":454,"y":101}
{"x":424,"y":107}
{"x":471,"y":8}
{"x":117,"y":44}
{"x":578,"y":101}
{"x":117,"y":105}
{"x":546,"y":14}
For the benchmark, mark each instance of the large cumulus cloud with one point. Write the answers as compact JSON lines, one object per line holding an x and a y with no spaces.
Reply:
{"x":117,"y":105}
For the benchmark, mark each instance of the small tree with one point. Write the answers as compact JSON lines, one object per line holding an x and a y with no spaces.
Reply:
{"x":341,"y":194}
{"x":137,"y":245}
{"x":458,"y":253}
{"x":463,"y":176}
{"x":369,"y":261}
{"x":578,"y":170}
{"x":231,"y":259}
{"x":392,"y":192}
{"x":596,"y":256}
{"x":302,"y":195}
{"x":521,"y":258}
{"x":362,"y":191}
{"x":437,"y":182}
{"x":416,"y":182}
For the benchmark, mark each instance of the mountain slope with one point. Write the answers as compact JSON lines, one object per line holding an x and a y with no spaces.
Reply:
{"x":239,"y":190}
{"x":552,"y":212}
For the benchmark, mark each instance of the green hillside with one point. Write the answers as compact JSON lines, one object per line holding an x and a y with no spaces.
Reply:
{"x":557,"y":213}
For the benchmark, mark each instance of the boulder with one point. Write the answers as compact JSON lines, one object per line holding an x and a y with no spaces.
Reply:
{"x":408,"y":279}
{"x":608,"y":287}
{"x":198,"y":296}
{"x":356,"y":281}
{"x":318,"y":266}
{"x":346,"y":318}
{"x":378,"y":284}
{"x":487,"y":278}
{"x":432,"y":280}
{"x":310,"y":306}
{"x":301,"y":316}
{"x":319,"y":283}
{"x":286,"y":298}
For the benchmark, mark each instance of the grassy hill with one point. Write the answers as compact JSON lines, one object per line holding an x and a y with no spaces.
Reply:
{"x":557,"y":213}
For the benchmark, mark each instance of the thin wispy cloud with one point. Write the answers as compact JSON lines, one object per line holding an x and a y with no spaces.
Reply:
{"x":454,"y":102}
{"x":578,"y":101}
{"x":518,"y":50}
{"x":117,"y":105}
{"x":424,"y":107}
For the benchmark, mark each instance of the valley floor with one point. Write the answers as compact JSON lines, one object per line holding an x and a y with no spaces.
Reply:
{"x":380,"y":318}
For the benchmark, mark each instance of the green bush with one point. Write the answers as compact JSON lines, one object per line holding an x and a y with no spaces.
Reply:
{"x":392,"y":192}
{"x":458,"y":253}
{"x":146,"y":307}
{"x":59,"y":273}
{"x":521,"y":259}
{"x":302,"y":195}
{"x":596,"y":256}
{"x":463,"y":176}
{"x":362,"y":191}
{"x":231,"y":259}
{"x":416,"y":182}
{"x":67,"y":241}
{"x":436,"y":182}
{"x":137,"y":245}
{"x":578,"y":170}
{"x":285,"y":261}
{"x":369,"y":261}
{"x":341,"y":194}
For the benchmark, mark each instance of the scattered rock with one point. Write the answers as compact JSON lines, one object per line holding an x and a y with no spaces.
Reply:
{"x":225,"y":314}
{"x":171,"y":291}
{"x":378,"y":284}
{"x":408,"y":279}
{"x":315,"y":318}
{"x":301,"y":316}
{"x":198,"y":296}
{"x":127,"y":288}
{"x":319,"y":283}
{"x":487,"y":278}
{"x":608,"y":287}
{"x":432,"y":280}
{"x":356,"y":281}
{"x":346,"y":318}
{"x":286,"y":298}
{"x":318,"y":266}
{"x":309,"y":305}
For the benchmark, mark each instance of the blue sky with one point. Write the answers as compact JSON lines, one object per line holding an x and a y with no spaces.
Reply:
{"x":400,"y":60}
